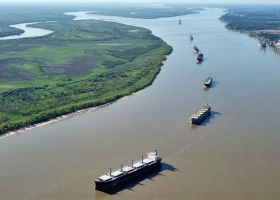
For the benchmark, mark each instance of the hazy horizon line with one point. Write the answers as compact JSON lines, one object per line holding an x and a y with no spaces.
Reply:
{"x":134,"y":2}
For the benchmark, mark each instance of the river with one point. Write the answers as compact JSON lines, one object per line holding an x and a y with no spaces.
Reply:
{"x":235,"y":154}
{"x":28,"y":31}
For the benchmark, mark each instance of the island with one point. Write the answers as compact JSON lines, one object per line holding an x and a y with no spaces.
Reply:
{"x":82,"y":64}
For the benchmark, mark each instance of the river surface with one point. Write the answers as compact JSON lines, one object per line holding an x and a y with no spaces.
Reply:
{"x":235,"y":154}
{"x":28,"y":31}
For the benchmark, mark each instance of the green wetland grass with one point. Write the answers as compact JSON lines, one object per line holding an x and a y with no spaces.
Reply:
{"x":82,"y":64}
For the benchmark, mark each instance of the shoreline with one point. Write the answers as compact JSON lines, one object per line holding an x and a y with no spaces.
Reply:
{"x":64,"y":117}
{"x":251,"y":34}
{"x":82,"y":111}
{"x":79,"y":112}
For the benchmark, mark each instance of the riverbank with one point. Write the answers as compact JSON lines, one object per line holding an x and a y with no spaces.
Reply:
{"x":79,"y":74}
{"x":60,"y":118}
{"x":261,"y":22}
{"x":234,"y":148}
{"x":54,"y":12}
{"x":274,"y":44}
{"x":79,"y":112}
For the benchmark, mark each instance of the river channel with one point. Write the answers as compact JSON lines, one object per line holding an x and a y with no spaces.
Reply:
{"x":28,"y":31}
{"x":235,"y":154}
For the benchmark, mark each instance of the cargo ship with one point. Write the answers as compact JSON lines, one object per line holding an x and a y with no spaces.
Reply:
{"x":180,"y":21}
{"x":191,"y":37}
{"x":262,"y":44}
{"x":195,"y":49}
{"x":122,"y":174}
{"x":201,"y":115}
{"x":199,"y":58}
{"x":208,"y":82}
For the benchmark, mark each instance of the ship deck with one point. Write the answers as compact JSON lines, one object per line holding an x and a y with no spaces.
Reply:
{"x":116,"y":173}
{"x":200,"y":112}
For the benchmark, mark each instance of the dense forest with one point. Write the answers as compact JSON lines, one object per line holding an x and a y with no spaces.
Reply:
{"x":259,"y":21}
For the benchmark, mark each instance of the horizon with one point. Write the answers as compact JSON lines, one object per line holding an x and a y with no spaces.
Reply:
{"x":242,"y":2}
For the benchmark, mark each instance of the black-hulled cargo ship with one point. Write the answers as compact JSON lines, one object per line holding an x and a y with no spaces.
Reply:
{"x":200,"y":115}
{"x":208,"y":82}
{"x":199,"y":58}
{"x":123,"y":174}
{"x":195,"y":49}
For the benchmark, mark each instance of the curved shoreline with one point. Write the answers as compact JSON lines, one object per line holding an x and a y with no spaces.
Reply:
{"x":79,"y":112}
{"x":28,"y":32}
{"x":250,"y":33}
{"x":64,"y":117}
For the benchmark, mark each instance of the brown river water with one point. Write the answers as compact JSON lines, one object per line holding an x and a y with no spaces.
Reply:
{"x":234,"y":154}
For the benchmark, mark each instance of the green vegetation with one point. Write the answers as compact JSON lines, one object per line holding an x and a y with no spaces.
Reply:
{"x":24,"y":13}
{"x":34,"y":12}
{"x":259,"y":21}
{"x":148,"y":11}
{"x":82,"y":64}
{"x":7,"y":31}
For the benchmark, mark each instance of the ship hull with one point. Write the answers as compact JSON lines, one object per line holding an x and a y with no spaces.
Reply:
{"x":199,"y":58}
{"x":262,"y":44}
{"x":195,"y":50}
{"x":208,"y":83}
{"x":201,"y":118}
{"x":109,"y":185}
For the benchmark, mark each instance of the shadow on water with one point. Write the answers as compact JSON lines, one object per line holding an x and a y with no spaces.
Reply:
{"x":208,"y":120}
{"x":129,"y":185}
{"x":205,"y":59}
{"x":276,"y":51}
{"x":262,"y":48}
{"x":214,"y":84}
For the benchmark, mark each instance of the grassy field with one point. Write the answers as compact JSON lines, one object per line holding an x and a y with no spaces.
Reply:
{"x":82,"y":64}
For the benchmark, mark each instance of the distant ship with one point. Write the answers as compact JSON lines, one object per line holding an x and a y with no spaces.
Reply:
{"x":123,"y":174}
{"x":195,"y":49}
{"x":201,"y":115}
{"x":191,"y":37}
{"x":180,"y":21}
{"x":199,"y":58}
{"x":277,"y":44}
{"x":262,"y":44}
{"x":208,"y":82}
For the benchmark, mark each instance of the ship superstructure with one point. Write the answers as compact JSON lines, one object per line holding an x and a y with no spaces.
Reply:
{"x":125,"y":173}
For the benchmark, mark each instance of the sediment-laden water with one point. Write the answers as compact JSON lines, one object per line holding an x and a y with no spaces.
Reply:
{"x":235,"y":154}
